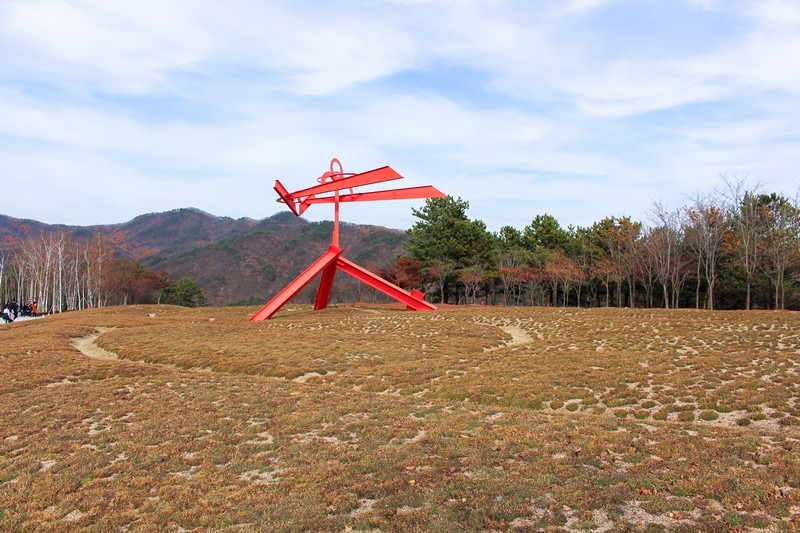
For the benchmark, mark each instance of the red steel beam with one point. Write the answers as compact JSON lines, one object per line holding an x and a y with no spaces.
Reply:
{"x":289,"y":292}
{"x":325,"y":284}
{"x":373,"y":280}
{"x":410,"y":193}
{"x":419,"y":295}
{"x":370,"y":177}
{"x":286,"y":197}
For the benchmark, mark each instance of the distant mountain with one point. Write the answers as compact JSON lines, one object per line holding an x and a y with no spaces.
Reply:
{"x":234,"y":260}
{"x":13,"y":231}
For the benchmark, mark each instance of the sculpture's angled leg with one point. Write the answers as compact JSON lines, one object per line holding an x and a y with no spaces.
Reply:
{"x":289,"y":292}
{"x":419,"y":295}
{"x":325,"y":284}
{"x":412,"y":300}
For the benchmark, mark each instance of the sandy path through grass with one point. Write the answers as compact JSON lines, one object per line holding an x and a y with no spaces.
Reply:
{"x":87,"y":346}
{"x":518,"y":335}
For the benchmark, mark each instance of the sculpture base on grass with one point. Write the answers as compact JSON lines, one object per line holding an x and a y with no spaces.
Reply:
{"x":334,"y":181}
{"x":328,"y":264}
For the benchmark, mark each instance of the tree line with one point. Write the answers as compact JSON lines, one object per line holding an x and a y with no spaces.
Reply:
{"x":735,"y":248}
{"x":61,"y":272}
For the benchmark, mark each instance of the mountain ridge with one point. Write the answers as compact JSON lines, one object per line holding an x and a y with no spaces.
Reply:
{"x":235,"y":260}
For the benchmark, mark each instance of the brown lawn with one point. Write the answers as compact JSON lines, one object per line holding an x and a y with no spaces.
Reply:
{"x":146,"y":418}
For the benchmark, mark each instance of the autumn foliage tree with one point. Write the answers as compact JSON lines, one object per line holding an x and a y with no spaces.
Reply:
{"x":406,"y":273}
{"x":61,"y":273}
{"x":739,"y":248}
{"x":131,"y":283}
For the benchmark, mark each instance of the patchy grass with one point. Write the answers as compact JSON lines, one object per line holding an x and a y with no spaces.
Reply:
{"x":371,"y":418}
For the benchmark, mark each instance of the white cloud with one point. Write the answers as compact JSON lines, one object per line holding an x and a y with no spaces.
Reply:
{"x":197,"y":103}
{"x":776,"y":13}
{"x":578,"y":7}
{"x":120,"y":47}
{"x":761,"y":56}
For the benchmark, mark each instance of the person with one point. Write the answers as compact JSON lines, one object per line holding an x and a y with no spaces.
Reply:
{"x":34,"y":308}
{"x":14,"y":308}
{"x":8,"y":314}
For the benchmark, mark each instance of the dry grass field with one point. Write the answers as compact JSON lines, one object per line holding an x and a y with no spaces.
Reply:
{"x":155,"y":418}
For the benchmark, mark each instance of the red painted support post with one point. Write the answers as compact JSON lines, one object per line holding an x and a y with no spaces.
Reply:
{"x":285,"y":197}
{"x":373,"y":280}
{"x":325,"y":284}
{"x":289,"y":292}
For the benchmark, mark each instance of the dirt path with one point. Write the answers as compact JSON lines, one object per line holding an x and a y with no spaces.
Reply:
{"x":518,"y":335}
{"x":87,"y":346}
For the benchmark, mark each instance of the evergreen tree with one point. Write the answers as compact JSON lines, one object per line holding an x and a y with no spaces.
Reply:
{"x":545,"y":233}
{"x":185,"y":293}
{"x":445,"y":241}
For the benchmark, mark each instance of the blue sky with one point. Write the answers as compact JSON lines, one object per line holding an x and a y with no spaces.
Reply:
{"x":577,"y":108}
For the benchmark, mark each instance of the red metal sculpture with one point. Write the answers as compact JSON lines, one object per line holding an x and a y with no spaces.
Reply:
{"x":334,"y":181}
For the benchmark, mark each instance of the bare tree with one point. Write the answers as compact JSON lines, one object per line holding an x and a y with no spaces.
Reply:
{"x":605,"y":272}
{"x":534,"y":278}
{"x":56,"y":271}
{"x":708,"y":226}
{"x":510,"y":263}
{"x":746,"y":219}
{"x":619,"y":236}
{"x":438,"y":273}
{"x":781,"y":252}
{"x":585,"y":254}
{"x":665,"y":245}
{"x":472,"y":277}
{"x":59,"y":248}
{"x":562,"y":271}
{"x":34,"y":262}
{"x":647,"y":266}
{"x":4,"y":256}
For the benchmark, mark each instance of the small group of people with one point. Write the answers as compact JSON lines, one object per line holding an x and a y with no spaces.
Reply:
{"x":12,"y":310}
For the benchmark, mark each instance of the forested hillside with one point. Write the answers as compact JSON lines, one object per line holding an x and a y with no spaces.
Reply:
{"x":232,"y":261}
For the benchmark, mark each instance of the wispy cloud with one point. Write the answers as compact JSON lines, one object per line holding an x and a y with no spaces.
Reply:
{"x":582,"y":109}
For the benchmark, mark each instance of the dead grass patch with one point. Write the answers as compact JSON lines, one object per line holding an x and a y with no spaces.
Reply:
{"x":461,"y":419}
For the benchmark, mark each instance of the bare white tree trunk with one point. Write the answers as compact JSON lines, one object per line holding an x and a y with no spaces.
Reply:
{"x":744,"y":213}
{"x":709,"y":225}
